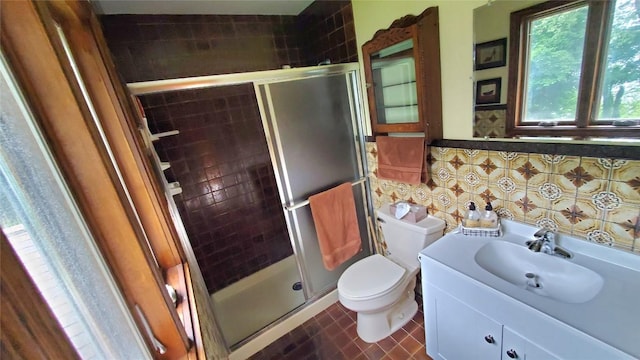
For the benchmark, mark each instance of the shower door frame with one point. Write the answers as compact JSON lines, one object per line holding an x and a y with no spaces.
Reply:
{"x":349,"y":70}
{"x":270,"y":124}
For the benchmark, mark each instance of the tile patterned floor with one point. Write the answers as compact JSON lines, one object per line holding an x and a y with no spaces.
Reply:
{"x":332,"y":335}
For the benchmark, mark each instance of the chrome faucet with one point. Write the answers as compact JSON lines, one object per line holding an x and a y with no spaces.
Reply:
{"x":545,"y":242}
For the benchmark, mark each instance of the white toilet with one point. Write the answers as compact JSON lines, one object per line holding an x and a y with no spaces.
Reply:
{"x":381,"y":289}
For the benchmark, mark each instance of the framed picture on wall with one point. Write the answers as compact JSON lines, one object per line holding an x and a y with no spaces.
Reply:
{"x":488,"y":91}
{"x":491,"y":54}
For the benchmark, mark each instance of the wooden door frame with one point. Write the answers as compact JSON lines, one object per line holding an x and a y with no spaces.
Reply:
{"x":109,"y":176}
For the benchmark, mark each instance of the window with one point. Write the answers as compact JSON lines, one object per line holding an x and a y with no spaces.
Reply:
{"x":575,"y":69}
{"x":45,"y":229}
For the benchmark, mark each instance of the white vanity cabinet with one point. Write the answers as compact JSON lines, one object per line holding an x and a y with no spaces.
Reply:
{"x":515,"y":346}
{"x":466,"y":319}
{"x":461,"y":332}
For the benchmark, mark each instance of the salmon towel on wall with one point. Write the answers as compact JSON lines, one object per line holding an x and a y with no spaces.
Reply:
{"x":400,"y":158}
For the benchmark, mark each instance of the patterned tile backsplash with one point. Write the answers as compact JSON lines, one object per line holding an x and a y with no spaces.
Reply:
{"x":597,"y":199}
{"x":490,"y":121}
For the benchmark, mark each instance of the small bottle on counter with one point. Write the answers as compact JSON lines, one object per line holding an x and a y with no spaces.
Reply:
{"x":489,"y":219}
{"x":472,"y":217}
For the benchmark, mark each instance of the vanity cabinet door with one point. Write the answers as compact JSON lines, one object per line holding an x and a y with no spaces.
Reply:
{"x":464,"y":333}
{"x":516,"y":347}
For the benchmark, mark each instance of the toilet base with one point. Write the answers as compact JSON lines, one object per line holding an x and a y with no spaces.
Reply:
{"x":375,"y":326}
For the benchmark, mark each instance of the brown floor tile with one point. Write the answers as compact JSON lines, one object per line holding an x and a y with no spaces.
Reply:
{"x":374,"y":352}
{"x":399,"y":335}
{"x":324,"y":319}
{"x":345,"y":321}
{"x":351,"y":350}
{"x":342,"y":339}
{"x":421,"y":355}
{"x":387,"y":344}
{"x":332,"y":329}
{"x":334,"y":311}
{"x":411,"y":345}
{"x":412,"y":325}
{"x":332,"y":335}
{"x":419,"y":335}
{"x":361,"y":343}
{"x":399,"y":353}
{"x":352,"y":330}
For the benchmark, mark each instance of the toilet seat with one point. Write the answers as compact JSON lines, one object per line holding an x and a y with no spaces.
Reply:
{"x":370,"y":277}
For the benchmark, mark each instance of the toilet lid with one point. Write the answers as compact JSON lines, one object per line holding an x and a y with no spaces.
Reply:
{"x":370,"y":276}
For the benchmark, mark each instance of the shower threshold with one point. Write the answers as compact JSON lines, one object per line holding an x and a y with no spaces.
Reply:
{"x":250,"y":304}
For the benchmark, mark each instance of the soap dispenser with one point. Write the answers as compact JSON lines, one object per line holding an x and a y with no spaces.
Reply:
{"x":489,"y":219}
{"x":472,"y":217}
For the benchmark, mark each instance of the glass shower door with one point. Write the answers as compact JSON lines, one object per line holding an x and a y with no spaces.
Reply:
{"x":315,"y":144}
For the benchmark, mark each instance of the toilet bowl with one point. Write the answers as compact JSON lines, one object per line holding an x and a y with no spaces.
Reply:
{"x":381,"y":289}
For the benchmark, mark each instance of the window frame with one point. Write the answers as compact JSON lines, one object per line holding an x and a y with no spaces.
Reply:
{"x":599,"y":18}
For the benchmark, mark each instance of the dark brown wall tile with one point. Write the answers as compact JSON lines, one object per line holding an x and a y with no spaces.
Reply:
{"x":229,"y":202}
{"x":153,"y":47}
{"x":325,"y":27}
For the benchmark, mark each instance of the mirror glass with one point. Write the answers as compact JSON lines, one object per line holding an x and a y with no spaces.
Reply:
{"x":394,"y":81}
{"x":491,"y":39}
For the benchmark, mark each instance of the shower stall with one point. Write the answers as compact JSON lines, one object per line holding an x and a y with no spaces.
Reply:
{"x":243,"y":154}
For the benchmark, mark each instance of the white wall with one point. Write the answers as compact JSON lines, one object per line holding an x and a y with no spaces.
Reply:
{"x":456,"y":51}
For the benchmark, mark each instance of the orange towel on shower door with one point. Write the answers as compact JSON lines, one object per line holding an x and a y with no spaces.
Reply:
{"x":336,"y":222}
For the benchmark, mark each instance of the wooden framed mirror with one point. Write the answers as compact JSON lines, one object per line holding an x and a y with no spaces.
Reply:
{"x":402,"y":71}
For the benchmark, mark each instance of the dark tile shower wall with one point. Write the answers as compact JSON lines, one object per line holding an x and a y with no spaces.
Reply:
{"x":154,"y":47}
{"x":229,"y":203}
{"x":327,"y":32}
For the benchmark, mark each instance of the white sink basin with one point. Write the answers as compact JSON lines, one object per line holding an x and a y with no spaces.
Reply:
{"x":543,"y":274}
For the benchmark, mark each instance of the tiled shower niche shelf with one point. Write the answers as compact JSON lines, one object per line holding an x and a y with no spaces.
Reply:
{"x":155,"y":137}
{"x":174,"y":188}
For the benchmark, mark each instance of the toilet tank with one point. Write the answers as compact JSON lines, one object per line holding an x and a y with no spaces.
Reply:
{"x":404,"y":239}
